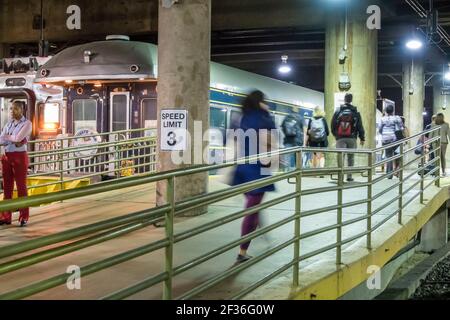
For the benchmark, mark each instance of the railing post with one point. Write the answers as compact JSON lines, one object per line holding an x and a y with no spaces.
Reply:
{"x":117,"y":155}
{"x":339,"y":210}
{"x":170,"y":213}
{"x":400,"y":185}
{"x":438,"y":181}
{"x":298,"y":197}
{"x":61,"y":165}
{"x":422,"y":174}
{"x":369,"y":201}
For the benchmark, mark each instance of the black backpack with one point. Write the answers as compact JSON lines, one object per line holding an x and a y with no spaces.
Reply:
{"x":290,"y":127}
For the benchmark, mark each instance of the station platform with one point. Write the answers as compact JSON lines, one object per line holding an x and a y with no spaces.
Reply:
{"x":320,"y":278}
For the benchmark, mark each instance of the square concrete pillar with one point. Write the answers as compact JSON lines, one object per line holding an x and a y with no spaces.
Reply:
{"x":434,"y":233}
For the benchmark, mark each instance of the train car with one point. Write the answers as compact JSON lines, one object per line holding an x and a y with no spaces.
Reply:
{"x":112,"y":85}
{"x":44,"y":101}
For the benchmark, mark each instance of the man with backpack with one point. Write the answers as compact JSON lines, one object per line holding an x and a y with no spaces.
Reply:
{"x":292,"y":127}
{"x":347,"y":126}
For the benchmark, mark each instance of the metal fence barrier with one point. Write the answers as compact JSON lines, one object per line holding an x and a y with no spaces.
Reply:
{"x":374,"y":203}
{"x":95,"y":157}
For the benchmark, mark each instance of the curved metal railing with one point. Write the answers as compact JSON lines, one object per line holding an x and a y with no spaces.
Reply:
{"x":374,"y":204}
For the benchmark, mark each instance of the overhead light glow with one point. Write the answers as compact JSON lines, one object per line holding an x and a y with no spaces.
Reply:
{"x":284,"y":69}
{"x":69,"y":81}
{"x":414,"y":44}
{"x":447,"y":76}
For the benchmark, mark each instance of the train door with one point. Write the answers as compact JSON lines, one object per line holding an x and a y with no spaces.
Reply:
{"x":84,"y":115}
{"x":149,"y":113}
{"x":119,"y":112}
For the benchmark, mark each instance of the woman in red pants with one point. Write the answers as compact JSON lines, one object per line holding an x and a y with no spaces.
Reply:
{"x":14,"y":138}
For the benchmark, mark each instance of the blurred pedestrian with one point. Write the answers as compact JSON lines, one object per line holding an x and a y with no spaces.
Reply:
{"x":256,"y":121}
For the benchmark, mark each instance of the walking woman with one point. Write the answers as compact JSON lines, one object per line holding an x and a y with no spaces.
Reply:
{"x":317,"y":136}
{"x":388,"y":126}
{"x":14,"y":137}
{"x":445,"y":134}
{"x":256,"y":125}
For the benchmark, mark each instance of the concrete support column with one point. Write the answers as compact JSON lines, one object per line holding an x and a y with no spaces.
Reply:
{"x":413,"y":93}
{"x":183,"y":83}
{"x":434,"y":233}
{"x":440,"y":102}
{"x":360,"y":64}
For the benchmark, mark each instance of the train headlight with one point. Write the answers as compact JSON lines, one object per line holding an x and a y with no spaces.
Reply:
{"x":51,"y":116}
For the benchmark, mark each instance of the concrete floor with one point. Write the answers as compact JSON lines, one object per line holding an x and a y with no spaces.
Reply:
{"x":73,"y":213}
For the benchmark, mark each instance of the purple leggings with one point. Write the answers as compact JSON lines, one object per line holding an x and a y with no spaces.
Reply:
{"x":250,"y":222}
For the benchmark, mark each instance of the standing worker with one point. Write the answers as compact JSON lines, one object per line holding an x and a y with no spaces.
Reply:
{"x":14,"y":137}
{"x":346,"y":127}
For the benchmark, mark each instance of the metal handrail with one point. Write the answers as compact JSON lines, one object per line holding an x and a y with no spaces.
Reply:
{"x":116,"y":227}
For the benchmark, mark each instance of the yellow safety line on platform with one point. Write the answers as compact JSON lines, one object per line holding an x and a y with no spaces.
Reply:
{"x":340,"y":282}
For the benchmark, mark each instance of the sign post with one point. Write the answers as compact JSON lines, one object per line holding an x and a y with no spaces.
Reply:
{"x":173,"y":130}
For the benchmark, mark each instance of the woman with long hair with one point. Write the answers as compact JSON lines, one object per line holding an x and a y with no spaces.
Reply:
{"x":256,"y":126}
{"x":317,"y":136}
{"x":389,"y":125}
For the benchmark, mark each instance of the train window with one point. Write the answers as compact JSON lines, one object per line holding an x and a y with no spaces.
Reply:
{"x":119,"y":111}
{"x":149,"y":113}
{"x":235,"y":119}
{"x":218,"y":118}
{"x":84,"y":114}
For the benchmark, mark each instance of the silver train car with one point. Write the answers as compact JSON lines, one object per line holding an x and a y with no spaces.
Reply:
{"x":109,"y":86}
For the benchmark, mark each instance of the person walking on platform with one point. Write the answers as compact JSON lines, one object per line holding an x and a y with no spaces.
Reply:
{"x":445,"y":135}
{"x":317,"y":136}
{"x":390,"y":128}
{"x":347,"y":126}
{"x":292,"y":128}
{"x":14,"y":138}
{"x":255,"y":119}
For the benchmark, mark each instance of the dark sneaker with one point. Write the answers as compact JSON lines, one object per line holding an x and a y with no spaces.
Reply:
{"x":242,"y":258}
{"x":350,"y":179}
{"x":5,"y":222}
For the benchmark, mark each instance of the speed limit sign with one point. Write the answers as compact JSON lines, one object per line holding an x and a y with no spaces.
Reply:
{"x":173,"y":130}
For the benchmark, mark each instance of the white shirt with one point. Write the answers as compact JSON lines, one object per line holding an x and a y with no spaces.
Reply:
{"x":16,"y":131}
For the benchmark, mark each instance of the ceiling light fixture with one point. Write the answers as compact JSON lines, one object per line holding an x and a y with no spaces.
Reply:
{"x":284,"y":67}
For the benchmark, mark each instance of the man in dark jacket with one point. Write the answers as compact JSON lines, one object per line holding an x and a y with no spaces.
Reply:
{"x":292,"y":127}
{"x":347,"y":126}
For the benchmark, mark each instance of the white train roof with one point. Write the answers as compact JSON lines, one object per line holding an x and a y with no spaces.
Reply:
{"x":112,"y":59}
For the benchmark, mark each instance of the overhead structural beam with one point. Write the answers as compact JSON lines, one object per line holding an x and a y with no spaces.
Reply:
{"x":392,"y":77}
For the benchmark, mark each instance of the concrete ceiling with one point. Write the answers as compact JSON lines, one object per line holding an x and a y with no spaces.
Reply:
{"x":247,"y":34}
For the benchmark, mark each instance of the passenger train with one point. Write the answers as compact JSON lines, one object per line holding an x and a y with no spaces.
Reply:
{"x":111,"y":85}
